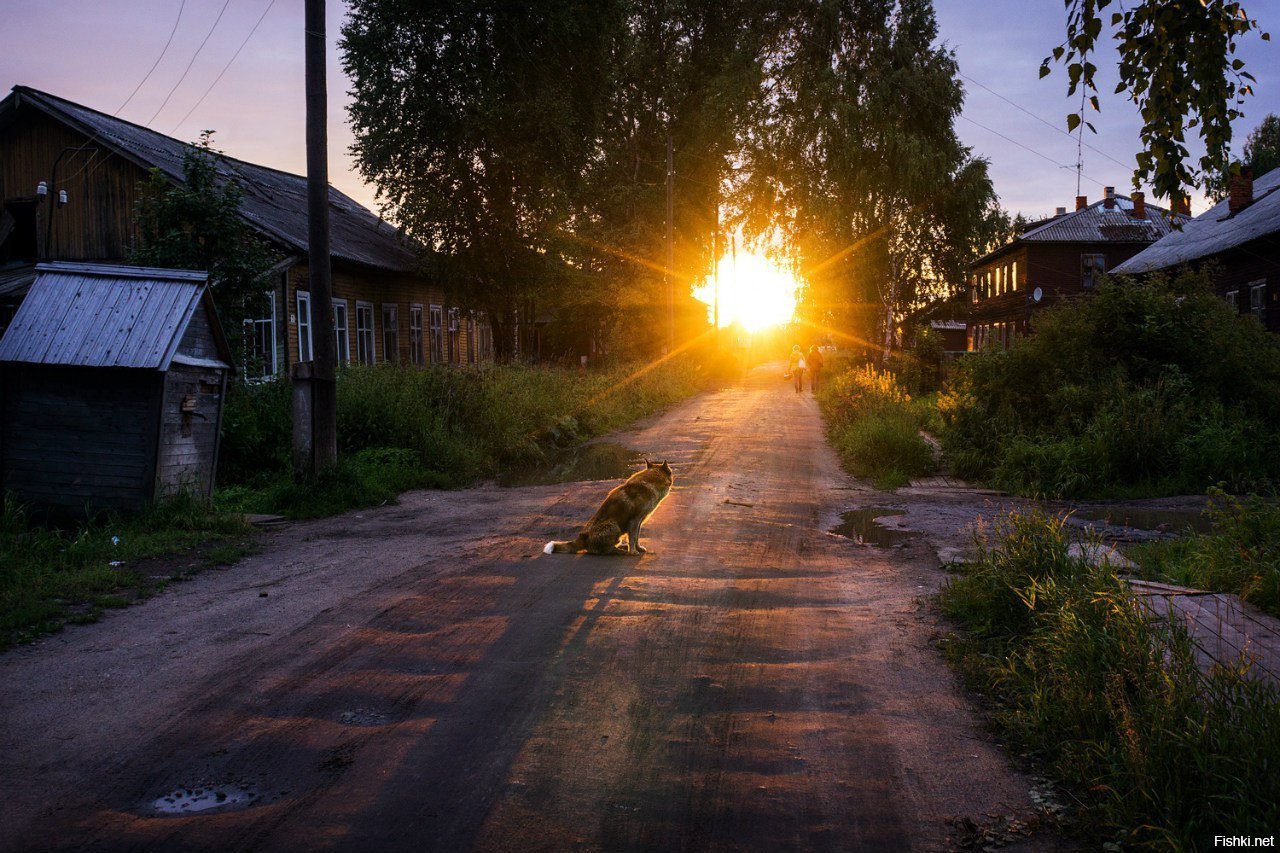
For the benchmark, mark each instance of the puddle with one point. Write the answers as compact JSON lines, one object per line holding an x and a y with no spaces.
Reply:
{"x":1164,"y":520}
{"x":860,"y":526}
{"x":362,"y":717}
{"x":599,"y":461}
{"x":205,"y":797}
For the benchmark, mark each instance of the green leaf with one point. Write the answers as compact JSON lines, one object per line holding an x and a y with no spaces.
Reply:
{"x":1044,"y":69}
{"x":1073,"y":121}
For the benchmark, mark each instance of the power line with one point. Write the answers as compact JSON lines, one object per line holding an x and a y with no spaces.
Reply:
{"x":155,"y":64}
{"x":224,"y":68}
{"x":1043,"y":121}
{"x":1029,"y":148}
{"x":187,"y":70}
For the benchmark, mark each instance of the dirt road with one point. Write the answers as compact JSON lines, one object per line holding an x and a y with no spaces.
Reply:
{"x":422,"y":677}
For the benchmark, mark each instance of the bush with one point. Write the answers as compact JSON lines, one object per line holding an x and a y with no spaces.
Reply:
{"x":1147,"y":387}
{"x":875,"y":427}
{"x":1160,"y":754}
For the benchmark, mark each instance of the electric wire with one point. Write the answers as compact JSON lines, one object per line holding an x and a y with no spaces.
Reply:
{"x":187,"y":70}
{"x":155,"y":64}
{"x":224,"y":69}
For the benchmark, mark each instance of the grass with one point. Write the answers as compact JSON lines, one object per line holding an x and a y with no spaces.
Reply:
{"x":1241,"y":555}
{"x":874,"y":426}
{"x":1157,"y":754}
{"x":51,"y":575}
{"x":406,"y":428}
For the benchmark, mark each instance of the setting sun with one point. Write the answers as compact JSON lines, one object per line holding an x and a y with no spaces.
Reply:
{"x":754,"y":291}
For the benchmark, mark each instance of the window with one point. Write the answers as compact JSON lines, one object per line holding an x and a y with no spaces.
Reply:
{"x":341,"y":341}
{"x":1014,"y":277}
{"x":437,"y":334}
{"x":415,"y":334}
{"x":304,"y":326}
{"x":454,"y":348}
{"x":260,"y":339}
{"x":1091,"y":268}
{"x":364,"y":332}
{"x":471,"y":338}
{"x":1233,"y":299}
{"x":390,"y":334}
{"x":1258,"y":300}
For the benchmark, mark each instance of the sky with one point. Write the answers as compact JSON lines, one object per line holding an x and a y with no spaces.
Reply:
{"x":96,"y":52}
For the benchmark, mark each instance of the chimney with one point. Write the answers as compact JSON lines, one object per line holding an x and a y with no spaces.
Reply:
{"x":1182,"y":205}
{"x":1111,"y":198}
{"x":1240,"y":194}
{"x":1139,"y":206}
{"x":1082,"y":201}
{"x":1062,"y":211}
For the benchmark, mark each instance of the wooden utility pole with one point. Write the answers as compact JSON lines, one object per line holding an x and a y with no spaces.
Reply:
{"x":322,"y":376}
{"x":671,"y":250}
{"x":715,"y":274}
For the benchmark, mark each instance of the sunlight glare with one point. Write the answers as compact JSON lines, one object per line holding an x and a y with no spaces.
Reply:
{"x":756,"y":292}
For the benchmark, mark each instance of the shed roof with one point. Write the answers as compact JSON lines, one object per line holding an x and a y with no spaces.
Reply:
{"x":1215,"y":230}
{"x":1095,"y":224}
{"x":94,"y":315}
{"x":275,"y":202}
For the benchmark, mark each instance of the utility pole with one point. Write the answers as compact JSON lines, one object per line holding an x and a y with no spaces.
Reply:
{"x":715,"y":274}
{"x":316,"y":416}
{"x":671,"y":250}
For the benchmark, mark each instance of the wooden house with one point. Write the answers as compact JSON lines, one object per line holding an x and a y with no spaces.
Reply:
{"x":69,"y":178}
{"x":1056,"y":259}
{"x":112,"y":382}
{"x":1239,"y":238}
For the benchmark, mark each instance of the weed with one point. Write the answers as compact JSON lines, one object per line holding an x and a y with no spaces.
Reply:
{"x":875,"y":426}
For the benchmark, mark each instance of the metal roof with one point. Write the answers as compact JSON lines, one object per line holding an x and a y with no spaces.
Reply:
{"x":274,"y":202}
{"x":1215,"y":230}
{"x":1095,"y":224}
{"x":94,"y":315}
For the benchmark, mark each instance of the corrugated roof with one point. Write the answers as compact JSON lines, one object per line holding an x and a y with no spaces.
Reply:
{"x":1215,"y":230}
{"x":93,"y":315}
{"x":1094,"y":224}
{"x":275,"y":202}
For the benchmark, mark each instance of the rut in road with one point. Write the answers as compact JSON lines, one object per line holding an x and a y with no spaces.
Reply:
{"x":755,"y":683}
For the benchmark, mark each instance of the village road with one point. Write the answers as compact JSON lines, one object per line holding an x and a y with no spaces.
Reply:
{"x":422,"y":677}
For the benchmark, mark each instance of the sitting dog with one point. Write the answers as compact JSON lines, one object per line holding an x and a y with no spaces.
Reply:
{"x":626,"y":508}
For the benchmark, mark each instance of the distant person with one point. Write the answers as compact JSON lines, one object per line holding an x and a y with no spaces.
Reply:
{"x":815,"y":362}
{"x":795,"y":367}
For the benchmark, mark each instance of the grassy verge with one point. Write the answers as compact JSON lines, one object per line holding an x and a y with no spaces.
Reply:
{"x":1157,"y":754}
{"x":401,"y":428}
{"x":50,"y":576}
{"x":1240,"y":556}
{"x":874,"y":425}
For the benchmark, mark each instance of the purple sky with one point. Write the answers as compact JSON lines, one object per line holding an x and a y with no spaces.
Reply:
{"x":96,"y":51}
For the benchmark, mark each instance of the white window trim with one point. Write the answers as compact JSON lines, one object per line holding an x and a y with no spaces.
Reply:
{"x":417,"y":354}
{"x":435,"y":326}
{"x":269,"y":368}
{"x":303,"y":300}
{"x":343,"y":353}
{"x":361,"y":305}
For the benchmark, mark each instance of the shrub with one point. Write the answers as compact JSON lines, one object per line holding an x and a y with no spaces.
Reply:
{"x":1146,"y":387}
{"x":1159,"y":754}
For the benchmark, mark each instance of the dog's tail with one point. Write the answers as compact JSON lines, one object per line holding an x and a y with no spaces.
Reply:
{"x":570,"y":547}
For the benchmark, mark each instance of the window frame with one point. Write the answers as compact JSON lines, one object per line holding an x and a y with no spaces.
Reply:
{"x":1092,"y":265}
{"x":256,"y":325}
{"x":306,"y":348}
{"x":417,"y":355}
{"x":370,"y":357}
{"x":341,"y":332}
{"x":1258,"y":299}
{"x":435,"y":327}
{"x":391,"y":333}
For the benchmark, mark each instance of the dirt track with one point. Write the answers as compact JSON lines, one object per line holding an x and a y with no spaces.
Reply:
{"x":422,"y":677}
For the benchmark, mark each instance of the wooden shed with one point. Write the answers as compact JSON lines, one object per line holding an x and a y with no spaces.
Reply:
{"x":112,"y":382}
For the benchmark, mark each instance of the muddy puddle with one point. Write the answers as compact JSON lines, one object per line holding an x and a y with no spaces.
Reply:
{"x":1174,"y":521}
{"x":601,"y":460}
{"x":206,"y":797}
{"x":861,"y":526}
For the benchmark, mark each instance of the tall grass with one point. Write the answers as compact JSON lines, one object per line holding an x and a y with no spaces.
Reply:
{"x":1241,"y":555}
{"x":1158,"y":754}
{"x":401,"y":428}
{"x":874,"y":425}
{"x":50,"y":575}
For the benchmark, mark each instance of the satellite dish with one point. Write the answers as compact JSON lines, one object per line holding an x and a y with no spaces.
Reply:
{"x":1037,"y":295}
